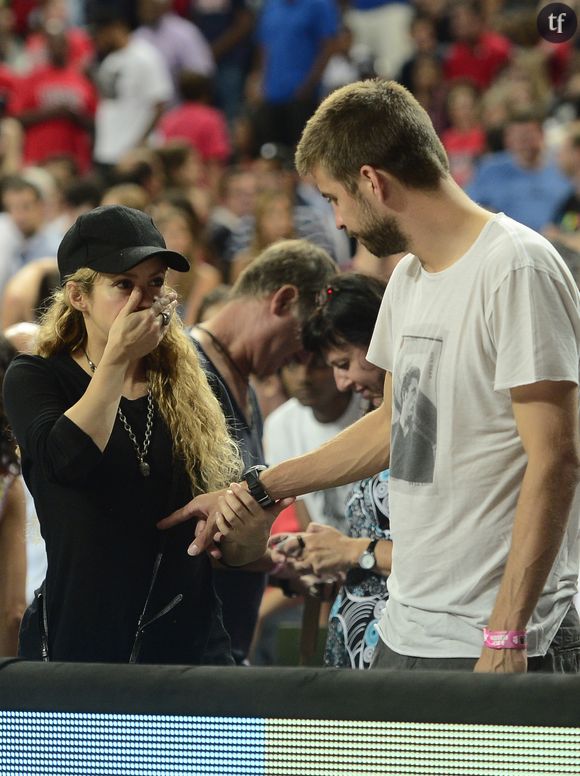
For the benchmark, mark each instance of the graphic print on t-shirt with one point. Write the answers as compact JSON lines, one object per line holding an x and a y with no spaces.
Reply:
{"x":414,"y":429}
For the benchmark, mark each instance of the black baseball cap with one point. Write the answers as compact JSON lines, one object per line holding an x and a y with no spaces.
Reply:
{"x":114,"y":238}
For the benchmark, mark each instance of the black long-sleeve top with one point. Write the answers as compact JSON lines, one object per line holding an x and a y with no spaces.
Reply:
{"x":98,"y":517}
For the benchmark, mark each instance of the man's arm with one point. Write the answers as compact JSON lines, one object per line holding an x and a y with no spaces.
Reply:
{"x":158,"y":110}
{"x":546,"y":415}
{"x":359,"y":451}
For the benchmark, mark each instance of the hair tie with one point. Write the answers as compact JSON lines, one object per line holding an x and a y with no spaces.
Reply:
{"x":324,"y":296}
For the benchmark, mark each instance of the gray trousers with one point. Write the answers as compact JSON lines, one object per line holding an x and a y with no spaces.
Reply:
{"x":563,"y":655}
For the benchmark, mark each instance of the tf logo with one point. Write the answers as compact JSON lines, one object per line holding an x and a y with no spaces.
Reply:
{"x":557,"y":22}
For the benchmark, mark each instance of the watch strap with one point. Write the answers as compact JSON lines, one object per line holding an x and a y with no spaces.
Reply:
{"x":252,"y":478}
{"x":372,"y":545}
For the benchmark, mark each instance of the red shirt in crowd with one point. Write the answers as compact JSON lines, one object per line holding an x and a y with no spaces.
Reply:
{"x":50,"y":87}
{"x":480,"y":63}
{"x":201,"y":126}
{"x":286,"y":522}
{"x":8,"y":81}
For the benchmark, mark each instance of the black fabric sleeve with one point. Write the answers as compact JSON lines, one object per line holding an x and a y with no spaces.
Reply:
{"x":35,"y":403}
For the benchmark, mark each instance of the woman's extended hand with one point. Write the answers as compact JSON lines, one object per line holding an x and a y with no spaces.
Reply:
{"x":200,"y":507}
{"x":231,"y":518}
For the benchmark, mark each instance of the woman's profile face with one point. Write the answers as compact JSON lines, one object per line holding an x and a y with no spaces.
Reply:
{"x":110,"y":292}
{"x":353,"y":372}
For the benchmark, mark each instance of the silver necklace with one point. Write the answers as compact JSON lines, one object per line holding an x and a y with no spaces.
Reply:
{"x":141,"y":452}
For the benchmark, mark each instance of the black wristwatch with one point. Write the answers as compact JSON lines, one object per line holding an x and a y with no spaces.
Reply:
{"x":257,"y":490}
{"x":367,"y":559}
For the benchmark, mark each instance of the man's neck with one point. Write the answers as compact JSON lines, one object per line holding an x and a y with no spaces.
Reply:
{"x":224,"y":334}
{"x":443,"y":226}
{"x":223,"y":339}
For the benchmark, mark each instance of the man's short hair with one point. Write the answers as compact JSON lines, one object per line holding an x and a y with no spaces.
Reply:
{"x":373,"y":122}
{"x":20,"y":183}
{"x":101,"y":15}
{"x":194,"y":87}
{"x":289,"y":262}
{"x":85,"y":191}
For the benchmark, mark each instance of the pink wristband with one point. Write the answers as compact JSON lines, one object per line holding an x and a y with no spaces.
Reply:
{"x":511,"y":639}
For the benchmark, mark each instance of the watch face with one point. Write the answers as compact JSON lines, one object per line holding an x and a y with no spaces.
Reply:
{"x":366,"y":560}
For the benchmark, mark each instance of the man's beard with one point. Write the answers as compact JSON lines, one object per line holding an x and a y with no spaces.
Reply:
{"x":379,"y":235}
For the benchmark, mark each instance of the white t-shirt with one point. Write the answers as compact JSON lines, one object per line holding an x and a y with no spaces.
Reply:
{"x":132,"y":81}
{"x":506,"y":314}
{"x":293,"y":430}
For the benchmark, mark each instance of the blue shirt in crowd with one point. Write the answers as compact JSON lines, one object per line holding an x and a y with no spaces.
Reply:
{"x":292,"y":34}
{"x":369,"y":5}
{"x":529,"y":196}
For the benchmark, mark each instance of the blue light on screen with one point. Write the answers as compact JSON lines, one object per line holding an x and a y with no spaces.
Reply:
{"x":69,"y":744}
{"x":64,"y":744}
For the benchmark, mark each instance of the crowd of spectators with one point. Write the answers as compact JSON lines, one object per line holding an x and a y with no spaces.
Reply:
{"x":198,"y":106}
{"x":191,"y":110}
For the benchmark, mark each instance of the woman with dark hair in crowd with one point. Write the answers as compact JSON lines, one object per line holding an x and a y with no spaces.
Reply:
{"x":12,"y":526}
{"x":117,"y":427}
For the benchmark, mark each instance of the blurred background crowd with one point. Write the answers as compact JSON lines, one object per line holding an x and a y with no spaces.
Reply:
{"x":190,"y":110}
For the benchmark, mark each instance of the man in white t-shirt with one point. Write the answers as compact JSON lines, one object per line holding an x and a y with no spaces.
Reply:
{"x":134,"y":85}
{"x":479,"y":335}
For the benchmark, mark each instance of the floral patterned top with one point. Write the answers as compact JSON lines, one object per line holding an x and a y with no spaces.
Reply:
{"x":352,"y":633}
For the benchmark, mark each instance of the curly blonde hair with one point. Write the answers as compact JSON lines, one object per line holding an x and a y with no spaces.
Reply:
{"x":178,"y":384}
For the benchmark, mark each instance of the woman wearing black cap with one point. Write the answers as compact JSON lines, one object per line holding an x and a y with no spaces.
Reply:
{"x":117,"y":426}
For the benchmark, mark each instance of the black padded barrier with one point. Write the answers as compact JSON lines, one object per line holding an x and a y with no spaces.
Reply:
{"x":66,"y":719}
{"x":438,"y":696}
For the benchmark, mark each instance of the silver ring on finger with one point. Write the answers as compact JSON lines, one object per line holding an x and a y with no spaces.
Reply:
{"x":165,"y":318}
